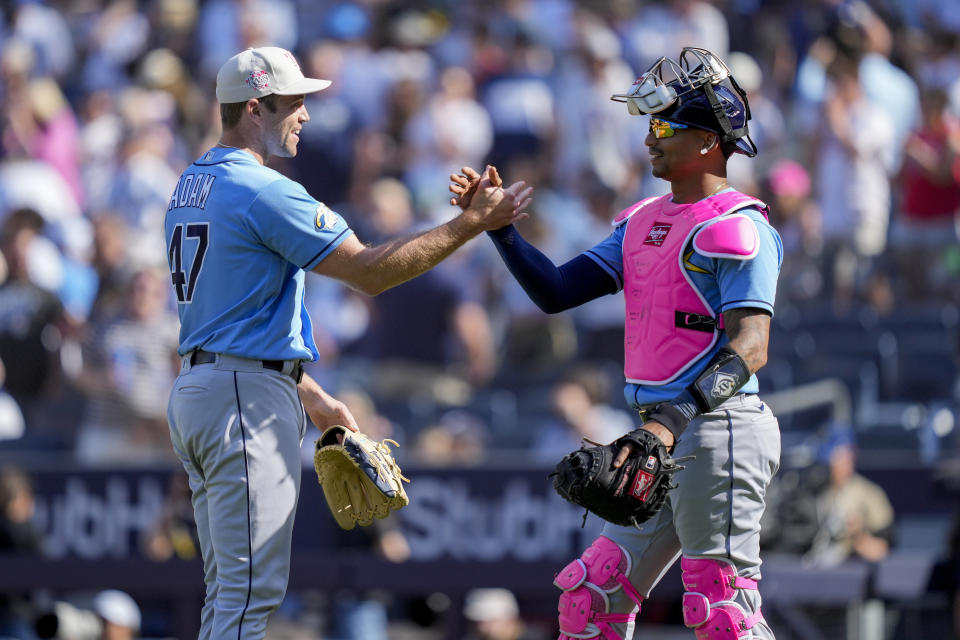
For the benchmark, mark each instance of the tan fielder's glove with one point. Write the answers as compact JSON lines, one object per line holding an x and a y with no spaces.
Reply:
{"x":360,"y":479}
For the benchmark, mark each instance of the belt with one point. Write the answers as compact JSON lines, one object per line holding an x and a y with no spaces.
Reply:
{"x":199,"y":356}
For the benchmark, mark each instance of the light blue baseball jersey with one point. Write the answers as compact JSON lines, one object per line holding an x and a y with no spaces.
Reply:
{"x":239,"y":238}
{"x":725,"y":284}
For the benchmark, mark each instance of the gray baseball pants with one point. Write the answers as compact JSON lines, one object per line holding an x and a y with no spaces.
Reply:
{"x":715,"y":510}
{"x":237,"y":429}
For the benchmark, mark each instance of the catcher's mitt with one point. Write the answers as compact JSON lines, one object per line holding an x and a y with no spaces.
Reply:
{"x":626,"y":496}
{"x":360,"y":479}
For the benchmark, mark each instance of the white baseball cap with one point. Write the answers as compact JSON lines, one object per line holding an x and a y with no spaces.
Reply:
{"x":484,"y":605}
{"x":255,"y":73}
{"x":117,"y":607}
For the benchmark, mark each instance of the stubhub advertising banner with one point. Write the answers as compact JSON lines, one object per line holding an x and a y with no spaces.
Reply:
{"x":475,"y":514}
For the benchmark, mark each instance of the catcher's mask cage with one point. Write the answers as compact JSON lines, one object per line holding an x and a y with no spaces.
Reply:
{"x":697,"y":91}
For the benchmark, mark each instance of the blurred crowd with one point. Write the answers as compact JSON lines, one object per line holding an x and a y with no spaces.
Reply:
{"x":856,"y":111}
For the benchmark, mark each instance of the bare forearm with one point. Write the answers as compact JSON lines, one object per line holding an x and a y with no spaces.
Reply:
{"x":396,"y":261}
{"x":323,"y":409}
{"x":376,"y":269}
{"x":749,"y":331}
{"x":310,"y":392}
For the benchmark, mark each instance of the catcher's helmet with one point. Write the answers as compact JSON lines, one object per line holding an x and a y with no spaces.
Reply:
{"x":698,"y":91}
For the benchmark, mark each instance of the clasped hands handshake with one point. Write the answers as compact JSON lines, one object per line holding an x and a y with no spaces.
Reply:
{"x":485,"y":201}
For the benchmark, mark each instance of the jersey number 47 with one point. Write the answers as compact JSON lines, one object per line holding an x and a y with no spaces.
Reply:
{"x":186,"y":282}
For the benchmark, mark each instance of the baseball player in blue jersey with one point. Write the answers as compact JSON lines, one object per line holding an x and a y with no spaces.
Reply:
{"x":698,"y":268}
{"x":239,"y":238}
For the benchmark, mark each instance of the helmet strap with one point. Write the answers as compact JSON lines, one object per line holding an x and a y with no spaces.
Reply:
{"x":729,"y":133}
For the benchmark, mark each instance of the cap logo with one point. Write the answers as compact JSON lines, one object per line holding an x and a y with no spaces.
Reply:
{"x":258,"y":80}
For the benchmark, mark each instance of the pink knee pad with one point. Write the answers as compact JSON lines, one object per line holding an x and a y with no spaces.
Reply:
{"x":586,"y":582}
{"x":711,"y":586}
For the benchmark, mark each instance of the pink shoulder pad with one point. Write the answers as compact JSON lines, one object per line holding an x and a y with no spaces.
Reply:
{"x":624,"y":215}
{"x":733,"y":236}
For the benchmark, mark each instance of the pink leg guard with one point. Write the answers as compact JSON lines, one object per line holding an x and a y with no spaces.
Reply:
{"x":587,"y":583}
{"x":708,"y":604}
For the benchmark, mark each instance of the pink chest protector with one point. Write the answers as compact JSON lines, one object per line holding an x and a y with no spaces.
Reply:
{"x":669,"y":324}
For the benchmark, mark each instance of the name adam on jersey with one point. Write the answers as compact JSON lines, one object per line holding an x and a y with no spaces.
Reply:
{"x":192,"y":191}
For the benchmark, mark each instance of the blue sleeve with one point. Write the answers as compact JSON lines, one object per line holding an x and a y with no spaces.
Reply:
{"x":551,"y":288}
{"x":608,"y":255}
{"x":752,"y":283}
{"x":295,"y":225}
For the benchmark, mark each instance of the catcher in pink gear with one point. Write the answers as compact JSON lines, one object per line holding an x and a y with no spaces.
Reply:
{"x":698,"y":269}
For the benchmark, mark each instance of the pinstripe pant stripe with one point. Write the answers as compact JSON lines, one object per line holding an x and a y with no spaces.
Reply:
{"x":246,"y":473}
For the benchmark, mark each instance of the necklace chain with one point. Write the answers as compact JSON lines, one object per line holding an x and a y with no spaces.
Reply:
{"x":226,"y":146}
{"x":720,"y":187}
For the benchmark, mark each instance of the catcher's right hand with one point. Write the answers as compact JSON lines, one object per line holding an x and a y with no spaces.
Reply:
{"x":625,"y":495}
{"x":666,"y":436}
{"x":360,"y":479}
{"x":465,"y":184}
